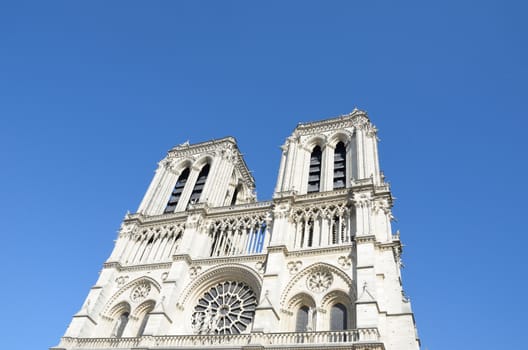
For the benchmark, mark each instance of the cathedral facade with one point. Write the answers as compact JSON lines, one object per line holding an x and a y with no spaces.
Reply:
{"x":202,"y":264}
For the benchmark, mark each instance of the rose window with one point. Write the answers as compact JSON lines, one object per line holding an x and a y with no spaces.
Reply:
{"x":319,"y":281}
{"x":140,"y":292}
{"x":227,"y":308}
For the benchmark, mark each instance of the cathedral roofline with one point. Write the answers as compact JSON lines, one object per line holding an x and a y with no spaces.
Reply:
{"x":214,"y":146}
{"x":355,"y":118}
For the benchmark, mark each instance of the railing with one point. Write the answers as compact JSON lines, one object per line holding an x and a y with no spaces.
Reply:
{"x":359,"y":336}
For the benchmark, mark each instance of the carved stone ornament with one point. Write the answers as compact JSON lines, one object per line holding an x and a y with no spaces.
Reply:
{"x":121,"y":280}
{"x":227,"y":308}
{"x":345,"y":261}
{"x":294,"y":266}
{"x":260,"y":266}
{"x":140,"y":292}
{"x":164,"y":276}
{"x":319,"y":281}
{"x":194,"y":271}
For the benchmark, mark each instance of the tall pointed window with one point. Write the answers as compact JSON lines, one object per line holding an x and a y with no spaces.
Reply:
{"x":301,"y":322}
{"x":314,"y":176}
{"x":339,"y":166}
{"x":338,"y":317}
{"x":235,"y":195}
{"x":176,"y":193}
{"x":199,"y":185}
{"x":121,"y":324}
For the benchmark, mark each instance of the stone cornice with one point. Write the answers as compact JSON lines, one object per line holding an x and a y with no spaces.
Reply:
{"x":355,"y":119}
{"x":366,"y":239}
{"x":318,"y":251}
{"x":220,"y":260}
{"x":142,"y":267}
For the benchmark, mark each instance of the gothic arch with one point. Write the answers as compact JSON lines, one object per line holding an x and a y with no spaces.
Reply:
{"x":178,"y":166}
{"x":218,"y":274}
{"x":340,"y":136}
{"x":316,"y":140}
{"x":338,"y":297}
{"x":118,"y":309}
{"x":202,"y":161}
{"x":299,"y":299}
{"x":285,"y":297}
{"x":143,"y":308}
{"x":129,"y":286}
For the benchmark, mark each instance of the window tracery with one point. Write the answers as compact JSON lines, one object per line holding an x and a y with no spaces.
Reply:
{"x":322,"y":225}
{"x":156,"y":243}
{"x":238,"y":235}
{"x":227,"y":308}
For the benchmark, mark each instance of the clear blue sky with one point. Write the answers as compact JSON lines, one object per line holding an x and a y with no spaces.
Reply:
{"x":93,"y":94}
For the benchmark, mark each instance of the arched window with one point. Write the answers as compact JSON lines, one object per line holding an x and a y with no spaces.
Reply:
{"x":235,"y":195}
{"x":338,"y":317}
{"x":340,"y":166}
{"x":143,"y":325}
{"x":310,"y":232}
{"x":314,"y":176}
{"x":335,"y":226}
{"x":199,"y":185}
{"x":121,"y":324}
{"x":176,"y":193}
{"x":301,"y":321}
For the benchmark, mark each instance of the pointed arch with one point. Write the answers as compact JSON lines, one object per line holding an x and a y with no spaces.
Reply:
{"x":340,"y":168}
{"x":337,"y":272}
{"x":120,"y":294}
{"x":177,"y":191}
{"x":199,"y":184}
{"x":314,"y":172}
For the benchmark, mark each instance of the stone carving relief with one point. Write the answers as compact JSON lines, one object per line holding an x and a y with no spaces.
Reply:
{"x":260,"y":267}
{"x":319,"y":281}
{"x":345,"y":261}
{"x":140,"y":292}
{"x":121,"y":280}
{"x":194,"y":271}
{"x":227,"y":308}
{"x":294,"y":266}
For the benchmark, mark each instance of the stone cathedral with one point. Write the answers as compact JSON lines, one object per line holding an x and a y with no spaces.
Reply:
{"x":202,"y":264}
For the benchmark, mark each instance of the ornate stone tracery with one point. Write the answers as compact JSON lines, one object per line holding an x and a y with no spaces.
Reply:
{"x":140,"y":292}
{"x":235,"y":235}
{"x":227,"y":308}
{"x":319,"y":281}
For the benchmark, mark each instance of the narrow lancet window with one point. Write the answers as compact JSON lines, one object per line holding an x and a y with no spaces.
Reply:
{"x":235,"y":195}
{"x":338,"y":318}
{"x":314,"y":176}
{"x":339,"y":166}
{"x":199,"y":185}
{"x":121,"y":324}
{"x":301,"y":322}
{"x":176,"y":193}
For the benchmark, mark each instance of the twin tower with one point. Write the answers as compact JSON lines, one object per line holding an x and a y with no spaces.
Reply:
{"x":203,"y":265}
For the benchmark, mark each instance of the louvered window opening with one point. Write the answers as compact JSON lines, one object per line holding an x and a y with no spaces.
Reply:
{"x":199,"y":185}
{"x":339,"y":166}
{"x":177,"y":192}
{"x":314,"y":175}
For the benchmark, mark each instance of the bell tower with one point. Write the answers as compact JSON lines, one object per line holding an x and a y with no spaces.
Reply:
{"x":202,"y":264}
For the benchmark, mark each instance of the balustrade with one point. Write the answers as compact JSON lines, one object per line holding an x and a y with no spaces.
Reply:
{"x":352,"y":336}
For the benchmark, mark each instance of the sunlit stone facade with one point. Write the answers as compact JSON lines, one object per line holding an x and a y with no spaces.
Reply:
{"x":202,"y":264}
